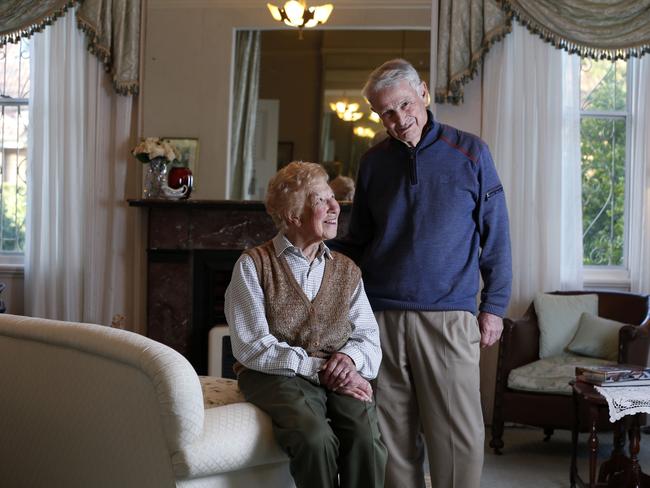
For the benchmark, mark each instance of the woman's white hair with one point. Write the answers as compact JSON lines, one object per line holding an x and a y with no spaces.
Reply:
{"x":390,"y":73}
{"x":290,"y":189}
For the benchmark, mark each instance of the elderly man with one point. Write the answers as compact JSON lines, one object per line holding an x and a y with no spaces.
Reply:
{"x":429,"y":216}
{"x":306,"y":339}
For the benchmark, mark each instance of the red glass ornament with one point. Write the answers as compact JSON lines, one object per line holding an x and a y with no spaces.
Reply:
{"x":179,"y":176}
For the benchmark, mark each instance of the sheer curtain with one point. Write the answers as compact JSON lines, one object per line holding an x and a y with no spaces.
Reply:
{"x":244,"y":113}
{"x":639,"y":259}
{"x":531,"y":123}
{"x":78,"y":261}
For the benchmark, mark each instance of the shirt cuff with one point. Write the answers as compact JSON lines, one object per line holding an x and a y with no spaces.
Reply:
{"x":309,"y":368}
{"x":493,"y":309}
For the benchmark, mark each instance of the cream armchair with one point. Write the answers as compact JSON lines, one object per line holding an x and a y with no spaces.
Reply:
{"x":86,"y":405}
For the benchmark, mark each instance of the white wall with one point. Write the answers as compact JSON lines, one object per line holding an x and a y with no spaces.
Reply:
{"x":188,"y":71}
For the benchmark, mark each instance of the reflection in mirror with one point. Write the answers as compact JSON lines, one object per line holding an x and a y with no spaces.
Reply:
{"x":301,"y":81}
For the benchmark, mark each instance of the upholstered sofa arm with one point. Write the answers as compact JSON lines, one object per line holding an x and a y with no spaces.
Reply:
{"x":634,"y":344}
{"x":235,"y":437}
{"x":519,"y":344}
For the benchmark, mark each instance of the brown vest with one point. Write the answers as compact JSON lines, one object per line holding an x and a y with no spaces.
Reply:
{"x":320,"y":327}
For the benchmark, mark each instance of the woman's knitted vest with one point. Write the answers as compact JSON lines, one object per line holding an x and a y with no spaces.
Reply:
{"x":320,"y":327}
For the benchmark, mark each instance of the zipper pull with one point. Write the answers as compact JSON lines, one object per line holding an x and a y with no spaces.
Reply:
{"x":413,"y":170}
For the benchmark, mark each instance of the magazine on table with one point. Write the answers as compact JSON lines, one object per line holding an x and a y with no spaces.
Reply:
{"x":614,"y":375}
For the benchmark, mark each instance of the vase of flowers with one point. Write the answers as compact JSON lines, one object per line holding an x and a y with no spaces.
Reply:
{"x":158,"y":154}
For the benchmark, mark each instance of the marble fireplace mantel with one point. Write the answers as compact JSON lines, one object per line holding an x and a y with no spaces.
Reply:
{"x":192,"y":246}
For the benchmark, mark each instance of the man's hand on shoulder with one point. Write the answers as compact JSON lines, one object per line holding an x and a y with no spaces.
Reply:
{"x":491,"y":327}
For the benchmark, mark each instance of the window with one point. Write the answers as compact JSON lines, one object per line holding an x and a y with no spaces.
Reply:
{"x":604,"y":136}
{"x":14,"y":122}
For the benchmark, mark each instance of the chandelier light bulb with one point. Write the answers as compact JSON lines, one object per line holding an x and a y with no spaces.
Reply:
{"x":275,"y":12}
{"x":322,"y":13}
{"x":365,"y":132}
{"x":294,"y":11}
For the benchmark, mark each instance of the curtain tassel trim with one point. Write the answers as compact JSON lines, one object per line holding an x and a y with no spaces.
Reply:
{"x":574,"y":47}
{"x":29,"y":30}
{"x":453,"y":92}
{"x":128,"y":87}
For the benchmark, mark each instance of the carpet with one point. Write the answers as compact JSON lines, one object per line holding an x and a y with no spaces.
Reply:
{"x":529,"y":461}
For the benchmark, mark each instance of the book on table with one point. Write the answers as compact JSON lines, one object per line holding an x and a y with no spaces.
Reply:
{"x":614,"y":375}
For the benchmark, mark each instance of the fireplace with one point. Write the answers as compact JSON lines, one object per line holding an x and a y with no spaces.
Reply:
{"x":192,"y":246}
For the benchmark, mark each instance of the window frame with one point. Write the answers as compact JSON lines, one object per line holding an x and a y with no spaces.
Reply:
{"x":608,"y":276}
{"x":13,"y":262}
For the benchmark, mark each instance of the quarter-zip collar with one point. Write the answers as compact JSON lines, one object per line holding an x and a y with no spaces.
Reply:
{"x":430,"y":134}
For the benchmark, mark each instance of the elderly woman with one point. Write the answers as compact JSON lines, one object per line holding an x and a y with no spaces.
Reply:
{"x":306,"y":340}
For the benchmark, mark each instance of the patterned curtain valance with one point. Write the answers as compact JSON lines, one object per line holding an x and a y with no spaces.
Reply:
{"x":112,"y":28}
{"x":599,"y":29}
{"x":466,"y":30}
{"x":21,"y":18}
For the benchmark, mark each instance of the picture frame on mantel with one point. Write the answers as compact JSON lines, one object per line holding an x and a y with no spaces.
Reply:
{"x":188,"y":151}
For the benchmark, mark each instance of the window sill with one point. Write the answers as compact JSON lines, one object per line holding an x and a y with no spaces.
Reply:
{"x":12,"y":264}
{"x":606,"y":278}
{"x":11,"y":269}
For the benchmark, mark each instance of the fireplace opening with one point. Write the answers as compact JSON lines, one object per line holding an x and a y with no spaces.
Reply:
{"x":212,"y":270}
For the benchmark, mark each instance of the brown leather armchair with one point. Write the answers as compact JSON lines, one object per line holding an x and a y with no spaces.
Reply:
{"x":519,"y":346}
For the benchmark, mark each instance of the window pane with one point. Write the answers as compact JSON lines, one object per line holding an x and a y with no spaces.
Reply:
{"x":14,"y":121}
{"x":603,"y":85}
{"x":603,"y":190}
{"x":14,"y":70}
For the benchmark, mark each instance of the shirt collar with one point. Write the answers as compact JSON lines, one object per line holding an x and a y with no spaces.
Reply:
{"x":281,"y":244}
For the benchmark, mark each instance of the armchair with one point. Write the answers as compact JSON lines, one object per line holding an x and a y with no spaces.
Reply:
{"x":90,"y":406}
{"x":519,"y":346}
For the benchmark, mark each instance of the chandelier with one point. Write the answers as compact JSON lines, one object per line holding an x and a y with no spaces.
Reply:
{"x":348,"y":112}
{"x":296,"y":14}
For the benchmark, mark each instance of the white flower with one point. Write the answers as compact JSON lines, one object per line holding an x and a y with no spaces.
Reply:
{"x":153,"y":147}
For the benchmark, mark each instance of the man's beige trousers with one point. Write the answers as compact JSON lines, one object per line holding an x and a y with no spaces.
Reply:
{"x":428,"y":388}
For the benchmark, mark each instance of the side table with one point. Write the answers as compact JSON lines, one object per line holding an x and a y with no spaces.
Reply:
{"x":619,"y":471}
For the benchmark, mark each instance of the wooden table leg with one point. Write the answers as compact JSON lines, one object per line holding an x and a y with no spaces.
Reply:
{"x":574,"y":440}
{"x":617,"y":459}
{"x":593,"y":444}
{"x":635,"y":446}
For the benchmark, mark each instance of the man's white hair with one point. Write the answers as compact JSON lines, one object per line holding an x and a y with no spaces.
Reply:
{"x":390,"y":73}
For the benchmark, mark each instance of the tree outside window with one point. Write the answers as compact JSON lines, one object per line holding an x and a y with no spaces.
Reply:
{"x":603,"y":130}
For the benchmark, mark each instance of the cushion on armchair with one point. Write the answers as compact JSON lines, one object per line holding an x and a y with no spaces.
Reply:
{"x":550,"y":375}
{"x":558,"y":317}
{"x":220,"y":391}
{"x":596,"y":337}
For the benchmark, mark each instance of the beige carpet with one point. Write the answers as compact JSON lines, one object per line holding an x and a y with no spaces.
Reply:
{"x":530,"y":462}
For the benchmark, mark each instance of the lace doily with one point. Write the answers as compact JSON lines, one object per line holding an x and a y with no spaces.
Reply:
{"x":625,"y":400}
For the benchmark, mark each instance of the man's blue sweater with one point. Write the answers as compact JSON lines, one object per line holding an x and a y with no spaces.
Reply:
{"x":426,"y":220}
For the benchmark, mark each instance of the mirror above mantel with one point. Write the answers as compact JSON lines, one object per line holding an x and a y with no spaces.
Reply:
{"x":299,"y":79}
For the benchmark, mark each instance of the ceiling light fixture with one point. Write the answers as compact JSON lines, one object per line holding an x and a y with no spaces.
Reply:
{"x":296,"y":14}
{"x":364,"y":132}
{"x":346,"y":111}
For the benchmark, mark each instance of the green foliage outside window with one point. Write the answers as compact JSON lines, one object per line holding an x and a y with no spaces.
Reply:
{"x":603,"y":143}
